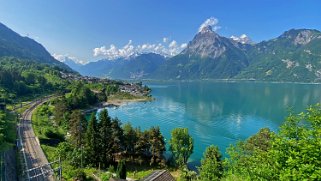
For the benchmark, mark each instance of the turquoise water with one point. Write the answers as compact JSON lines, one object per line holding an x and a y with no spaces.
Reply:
{"x":219,"y":113}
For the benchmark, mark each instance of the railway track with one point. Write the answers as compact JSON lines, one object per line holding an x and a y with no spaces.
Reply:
{"x":37,"y":165}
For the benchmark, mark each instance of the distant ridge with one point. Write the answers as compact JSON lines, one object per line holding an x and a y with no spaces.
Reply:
{"x":294,"y":56}
{"x":14,"y":45}
{"x":135,"y":67}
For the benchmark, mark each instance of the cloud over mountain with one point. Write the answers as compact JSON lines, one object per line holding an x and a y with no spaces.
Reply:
{"x":244,"y":39}
{"x":212,"y":22}
{"x":167,"y":48}
{"x":66,"y":57}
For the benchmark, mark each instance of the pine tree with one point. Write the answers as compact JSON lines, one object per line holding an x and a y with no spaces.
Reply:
{"x":60,"y":111}
{"x":117,"y":138}
{"x":91,"y":144}
{"x":105,"y":141}
{"x":157,"y":145}
{"x":130,"y":140}
{"x":142,"y":148}
{"x":78,"y":125}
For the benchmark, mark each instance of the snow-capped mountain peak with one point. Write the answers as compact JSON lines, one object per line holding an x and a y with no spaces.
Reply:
{"x":244,"y":39}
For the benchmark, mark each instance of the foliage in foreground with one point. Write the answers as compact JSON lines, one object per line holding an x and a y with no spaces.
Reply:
{"x":211,"y":165}
{"x":181,"y":146}
{"x":291,"y":154}
{"x":102,"y":144}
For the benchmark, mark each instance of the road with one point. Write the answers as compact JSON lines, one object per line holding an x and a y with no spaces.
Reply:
{"x":33,"y":155}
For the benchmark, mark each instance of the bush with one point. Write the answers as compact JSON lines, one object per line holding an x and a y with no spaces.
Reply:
{"x":54,"y":135}
{"x":121,"y":170}
{"x":105,"y":176}
{"x":79,"y":175}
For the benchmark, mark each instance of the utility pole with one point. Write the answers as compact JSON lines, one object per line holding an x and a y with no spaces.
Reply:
{"x":81,"y":155}
{"x":60,"y":170}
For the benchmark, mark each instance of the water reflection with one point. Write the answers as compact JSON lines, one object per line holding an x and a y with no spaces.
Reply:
{"x":218,"y":112}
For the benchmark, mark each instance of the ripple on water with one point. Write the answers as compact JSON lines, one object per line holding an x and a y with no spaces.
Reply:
{"x":216,"y":113}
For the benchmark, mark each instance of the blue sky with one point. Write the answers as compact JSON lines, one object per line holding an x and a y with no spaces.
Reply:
{"x":75,"y":28}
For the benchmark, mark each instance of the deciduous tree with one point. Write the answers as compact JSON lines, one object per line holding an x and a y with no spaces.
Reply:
{"x":181,"y":146}
{"x":211,"y":168}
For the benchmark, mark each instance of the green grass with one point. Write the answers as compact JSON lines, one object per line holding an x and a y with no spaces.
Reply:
{"x":41,"y":122}
{"x":136,"y":171}
{"x":11,"y":122}
{"x":137,"y":175}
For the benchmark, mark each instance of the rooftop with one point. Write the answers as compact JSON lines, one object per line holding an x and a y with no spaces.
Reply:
{"x":159,"y":175}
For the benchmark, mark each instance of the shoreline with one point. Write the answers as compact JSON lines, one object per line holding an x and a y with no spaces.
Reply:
{"x":118,"y":103}
{"x":121,"y":102}
{"x":231,"y":81}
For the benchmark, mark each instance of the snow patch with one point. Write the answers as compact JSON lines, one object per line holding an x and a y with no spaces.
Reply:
{"x":244,"y":39}
{"x":309,"y":67}
{"x":290,"y":64}
{"x":318,"y":73}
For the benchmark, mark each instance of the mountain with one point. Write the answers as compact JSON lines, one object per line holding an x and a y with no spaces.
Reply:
{"x":208,"y":55}
{"x":135,"y":67}
{"x":293,"y":56}
{"x":244,"y":39}
{"x":14,"y":45}
{"x":72,"y":64}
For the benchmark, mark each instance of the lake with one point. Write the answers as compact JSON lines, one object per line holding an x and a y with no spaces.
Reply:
{"x":219,"y":113}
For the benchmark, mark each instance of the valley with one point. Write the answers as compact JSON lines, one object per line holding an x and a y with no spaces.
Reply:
{"x":291,"y":57}
{"x":145,"y":91}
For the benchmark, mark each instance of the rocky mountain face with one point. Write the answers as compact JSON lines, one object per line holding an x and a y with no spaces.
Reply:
{"x":14,"y":45}
{"x":294,"y":56}
{"x":206,"y":44}
{"x":208,"y":55}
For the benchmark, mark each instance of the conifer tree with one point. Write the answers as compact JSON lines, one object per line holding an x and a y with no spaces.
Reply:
{"x":78,"y":125}
{"x":157,"y":145}
{"x":130,"y":139}
{"x":105,"y":141}
{"x":91,"y":143}
{"x":117,"y":138}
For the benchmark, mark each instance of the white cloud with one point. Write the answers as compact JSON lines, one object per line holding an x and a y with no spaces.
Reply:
{"x":165,"y":40}
{"x":244,"y":39}
{"x":173,"y":44}
{"x":210,"y":22}
{"x":183,"y":45}
{"x":164,"y":48}
{"x":63,"y":58}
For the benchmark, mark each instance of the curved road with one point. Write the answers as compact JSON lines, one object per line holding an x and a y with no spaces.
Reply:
{"x":36,"y":162}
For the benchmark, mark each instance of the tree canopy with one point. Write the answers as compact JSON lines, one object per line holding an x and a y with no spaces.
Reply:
{"x":181,"y":145}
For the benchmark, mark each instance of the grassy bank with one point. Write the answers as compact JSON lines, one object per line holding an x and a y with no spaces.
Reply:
{"x":50,"y":135}
{"x":8,"y":126}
